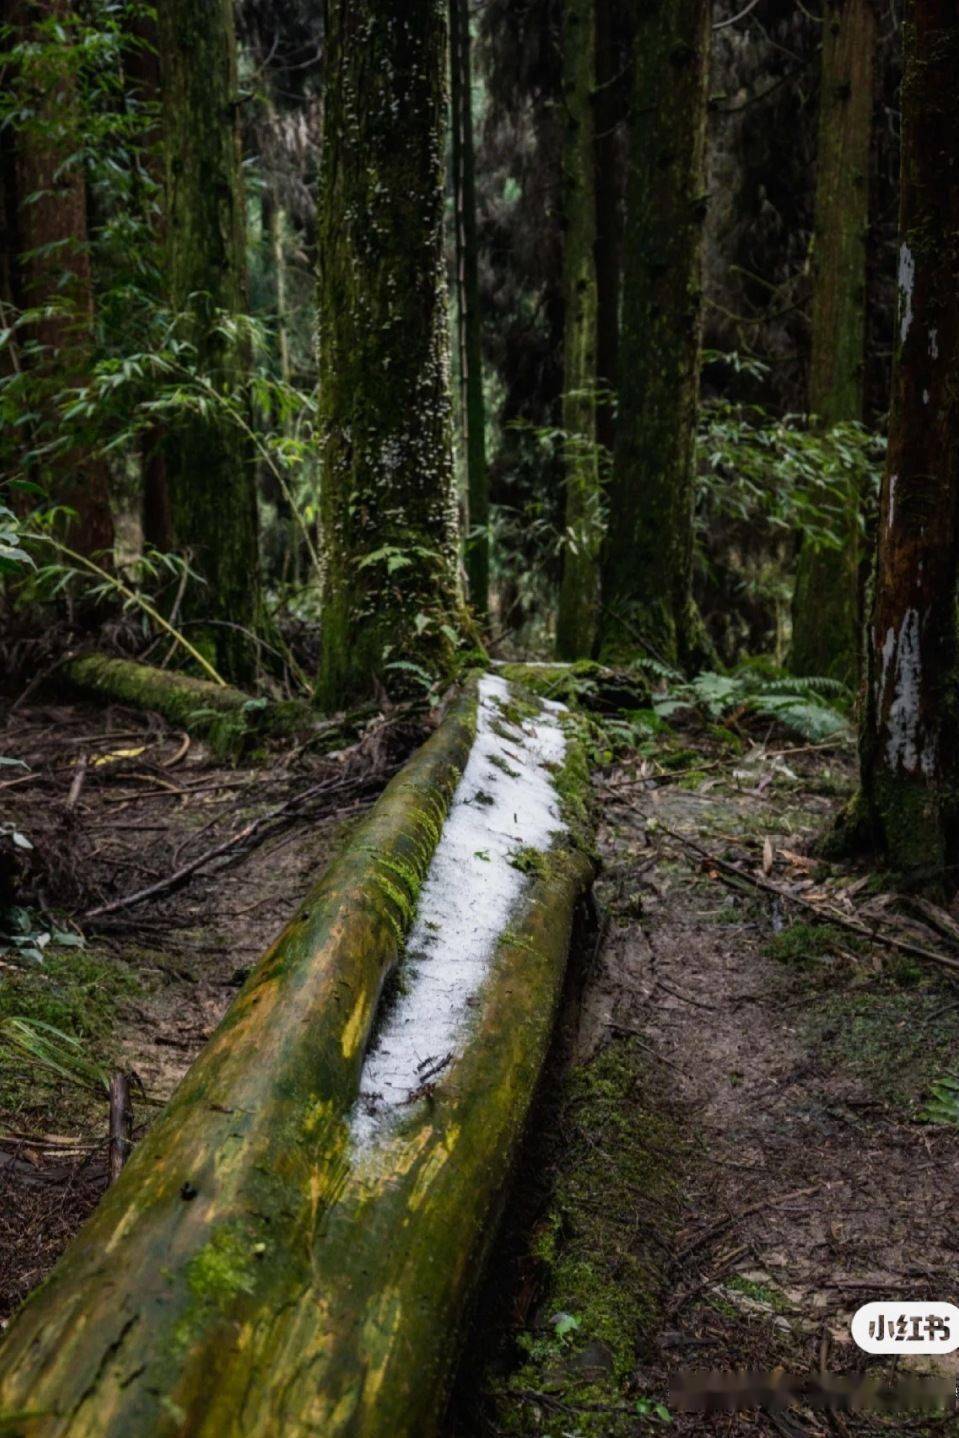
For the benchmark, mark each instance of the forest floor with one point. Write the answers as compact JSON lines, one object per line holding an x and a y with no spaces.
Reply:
{"x":736,"y":1157}
{"x":730,"y":1154}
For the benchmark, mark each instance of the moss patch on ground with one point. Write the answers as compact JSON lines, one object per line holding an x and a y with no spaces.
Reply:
{"x":597,"y":1256}
{"x":896,"y":1040}
{"x":74,"y":993}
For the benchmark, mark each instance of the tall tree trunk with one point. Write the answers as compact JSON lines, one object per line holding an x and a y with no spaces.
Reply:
{"x":53,"y":267}
{"x":826,"y":620}
{"x":910,"y":738}
{"x":579,"y":590}
{"x":209,"y":463}
{"x":143,"y":85}
{"x":647,"y":567}
{"x":609,"y":258}
{"x":470,"y":340}
{"x":388,"y":511}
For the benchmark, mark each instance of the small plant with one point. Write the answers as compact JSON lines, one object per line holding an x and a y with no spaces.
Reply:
{"x":564,"y":1325}
{"x":943,"y":1103}
{"x":23,"y":934}
{"x":52,"y":1050}
{"x":649,"y":1408}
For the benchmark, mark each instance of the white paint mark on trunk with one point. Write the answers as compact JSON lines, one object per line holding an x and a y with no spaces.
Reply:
{"x":891,"y":512}
{"x":906,"y":745}
{"x":907,"y":281}
{"x":505,"y":802}
{"x":934,"y":343}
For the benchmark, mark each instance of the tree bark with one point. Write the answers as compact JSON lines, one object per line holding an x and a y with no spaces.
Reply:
{"x":388,"y":510}
{"x":910,"y":736}
{"x":255,"y":1270}
{"x":52,"y":266}
{"x":579,"y":589}
{"x":609,"y":226}
{"x":469,"y":327}
{"x":647,"y":566}
{"x":826,"y":610}
{"x":208,"y":460}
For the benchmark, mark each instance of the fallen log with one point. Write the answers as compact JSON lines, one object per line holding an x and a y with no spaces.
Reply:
{"x":230,"y":720}
{"x":291,"y":1248}
{"x":584,"y":684}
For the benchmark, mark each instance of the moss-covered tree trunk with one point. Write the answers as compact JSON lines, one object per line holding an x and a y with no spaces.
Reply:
{"x":469,"y":327}
{"x":208,"y":459}
{"x":910,"y":735}
{"x":388,"y":511}
{"x":579,"y":590}
{"x":826,"y":617}
{"x":647,"y":564}
{"x":52,"y":268}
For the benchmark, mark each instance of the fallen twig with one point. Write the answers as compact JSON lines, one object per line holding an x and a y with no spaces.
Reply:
{"x":830,"y":915}
{"x":249,"y":831}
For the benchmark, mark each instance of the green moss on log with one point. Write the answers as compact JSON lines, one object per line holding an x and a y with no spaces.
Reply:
{"x":584,"y":684}
{"x":200,"y":1260}
{"x":227,"y":718}
{"x":259,"y":1269}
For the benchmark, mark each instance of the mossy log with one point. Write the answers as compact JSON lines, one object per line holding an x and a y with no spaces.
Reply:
{"x":227,"y":718}
{"x":259,"y":1268}
{"x":216,"y":1216}
{"x":584,"y":684}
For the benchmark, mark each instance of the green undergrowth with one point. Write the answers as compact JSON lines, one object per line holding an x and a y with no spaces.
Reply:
{"x":893,"y":1035}
{"x":71,"y":1001}
{"x":804,"y":945}
{"x":596,"y":1255}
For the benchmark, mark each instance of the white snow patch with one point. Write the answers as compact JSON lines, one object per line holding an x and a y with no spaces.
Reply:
{"x":907,"y":280}
{"x":905,"y":743}
{"x":466,"y":902}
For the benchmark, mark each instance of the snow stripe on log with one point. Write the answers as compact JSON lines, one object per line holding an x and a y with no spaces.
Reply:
{"x":274,"y":1259}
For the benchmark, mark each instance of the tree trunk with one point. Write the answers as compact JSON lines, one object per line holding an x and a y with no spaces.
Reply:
{"x":143,"y":85}
{"x":826,"y":617}
{"x":910,"y":737}
{"x":208,"y":460}
{"x":53,"y":267}
{"x":579,"y":589}
{"x":647,"y":566}
{"x":388,"y":510}
{"x":261,"y":1267}
{"x":609,"y":239}
{"x":470,"y":340}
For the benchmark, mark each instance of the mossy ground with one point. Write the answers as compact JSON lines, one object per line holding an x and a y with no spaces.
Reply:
{"x":592,"y":1262}
{"x":78,"y":994}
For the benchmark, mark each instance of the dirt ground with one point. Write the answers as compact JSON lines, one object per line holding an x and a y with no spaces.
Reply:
{"x":789,"y":1173}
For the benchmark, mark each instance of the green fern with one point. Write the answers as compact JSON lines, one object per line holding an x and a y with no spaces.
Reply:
{"x":797,"y":703}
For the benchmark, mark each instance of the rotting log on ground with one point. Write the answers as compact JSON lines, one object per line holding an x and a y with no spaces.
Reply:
{"x":251,"y":1273}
